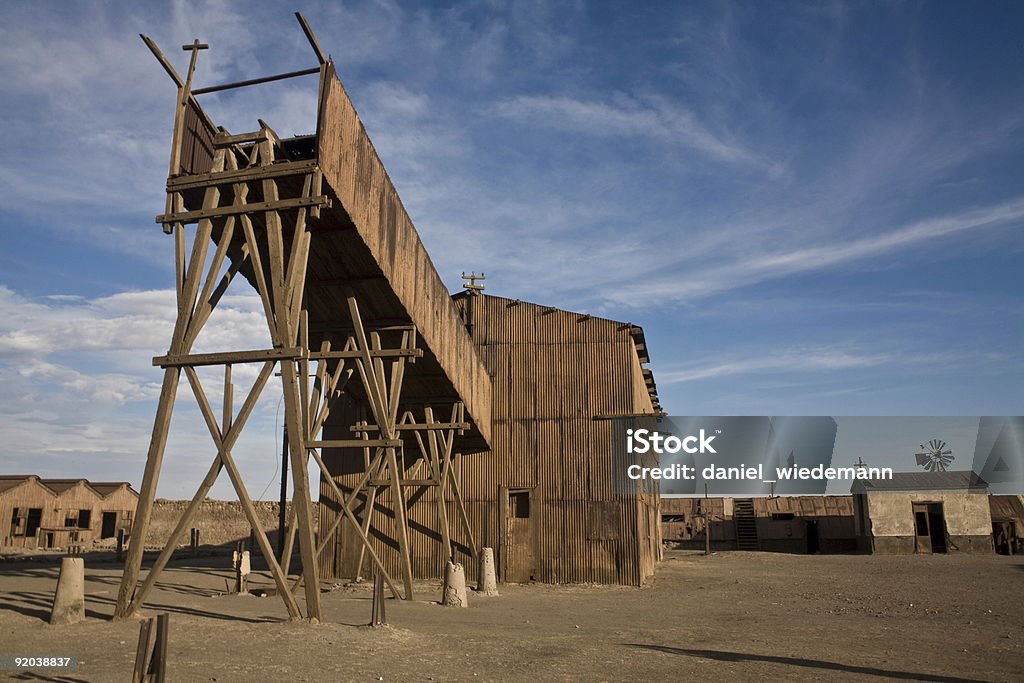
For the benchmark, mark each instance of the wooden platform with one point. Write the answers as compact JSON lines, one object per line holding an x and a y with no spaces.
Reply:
{"x":365,"y":244}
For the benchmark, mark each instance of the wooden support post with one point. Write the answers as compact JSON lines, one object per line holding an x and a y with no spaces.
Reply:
{"x":378,"y":617}
{"x":204,"y":488}
{"x":371,"y":501}
{"x":142,"y":650}
{"x":460,"y":505}
{"x":151,"y":652}
{"x":301,"y":493}
{"x":147,"y":493}
{"x":346,"y":513}
{"x":383,"y":412}
{"x":243,"y":495}
{"x":439,"y":492}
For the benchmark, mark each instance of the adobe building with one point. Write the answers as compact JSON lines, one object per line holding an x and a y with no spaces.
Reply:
{"x":57,"y":513}
{"x":924,"y":512}
{"x":791,"y":524}
{"x":543,"y":495}
{"x":1007,"y":523}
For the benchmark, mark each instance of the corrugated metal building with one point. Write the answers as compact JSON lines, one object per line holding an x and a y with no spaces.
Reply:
{"x":543,"y":496}
{"x":795,"y":524}
{"x":56,"y":513}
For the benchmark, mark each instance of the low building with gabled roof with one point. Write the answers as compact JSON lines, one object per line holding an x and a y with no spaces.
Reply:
{"x":62,"y":512}
{"x":923,"y":512}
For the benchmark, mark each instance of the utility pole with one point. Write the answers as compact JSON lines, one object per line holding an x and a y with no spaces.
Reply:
{"x":281,"y":510}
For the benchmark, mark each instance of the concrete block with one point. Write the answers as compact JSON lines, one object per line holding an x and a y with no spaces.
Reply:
{"x":454,"y":586}
{"x":69,"y":598}
{"x":488,"y":584}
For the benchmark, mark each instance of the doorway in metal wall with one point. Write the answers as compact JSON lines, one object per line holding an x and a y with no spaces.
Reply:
{"x":520,"y":536}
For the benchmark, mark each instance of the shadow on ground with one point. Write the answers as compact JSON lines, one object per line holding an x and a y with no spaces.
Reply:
{"x":725,"y":656}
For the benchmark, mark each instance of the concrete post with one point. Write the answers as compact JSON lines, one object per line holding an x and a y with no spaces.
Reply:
{"x":69,"y":598}
{"x":486,"y":582}
{"x":454,"y":586}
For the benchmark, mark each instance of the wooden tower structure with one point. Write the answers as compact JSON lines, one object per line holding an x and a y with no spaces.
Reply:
{"x":364,"y":335}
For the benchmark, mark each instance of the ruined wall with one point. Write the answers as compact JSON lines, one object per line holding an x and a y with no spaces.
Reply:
{"x":220,"y":522}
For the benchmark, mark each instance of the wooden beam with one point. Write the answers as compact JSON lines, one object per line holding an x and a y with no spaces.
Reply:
{"x":201,"y":180}
{"x":355,"y":443}
{"x":231,"y":436}
{"x":313,"y":42}
{"x":164,"y":62}
{"x":347,"y":512}
{"x":147,"y":493}
{"x":243,"y":496}
{"x":256,"y":81}
{"x":202,"y":359}
{"x":415,"y":427}
{"x":235,"y":209}
{"x":228,"y":140}
{"x":406,"y":482}
{"x":374,"y":353}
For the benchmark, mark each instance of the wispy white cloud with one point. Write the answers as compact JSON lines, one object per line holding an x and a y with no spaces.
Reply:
{"x":696,"y":283}
{"x":804,"y":361}
{"x":795,"y":361}
{"x":653,"y":117}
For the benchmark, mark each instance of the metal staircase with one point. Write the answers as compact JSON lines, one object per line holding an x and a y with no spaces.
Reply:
{"x":746,"y":524}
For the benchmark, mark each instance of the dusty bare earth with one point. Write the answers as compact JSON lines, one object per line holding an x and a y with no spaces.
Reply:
{"x":732,"y":616}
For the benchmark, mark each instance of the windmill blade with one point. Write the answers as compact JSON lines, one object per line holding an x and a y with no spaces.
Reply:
{"x":922,"y":459}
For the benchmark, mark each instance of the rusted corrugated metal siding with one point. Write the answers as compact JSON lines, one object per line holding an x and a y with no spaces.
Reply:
{"x":552,"y":373}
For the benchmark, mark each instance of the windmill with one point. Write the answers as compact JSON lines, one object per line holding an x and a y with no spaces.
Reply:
{"x":934,"y":456}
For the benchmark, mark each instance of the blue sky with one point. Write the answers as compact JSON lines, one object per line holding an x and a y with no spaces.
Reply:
{"x":811,"y":208}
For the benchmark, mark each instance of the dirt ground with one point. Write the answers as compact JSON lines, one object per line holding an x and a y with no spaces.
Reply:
{"x":731,"y":616}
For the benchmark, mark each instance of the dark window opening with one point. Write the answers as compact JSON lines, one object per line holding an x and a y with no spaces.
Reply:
{"x":109,"y":525}
{"x":35,"y":520}
{"x":519,"y":504}
{"x":673,"y":518}
{"x":16,"y":520}
{"x":782,"y":516}
{"x":71,"y":521}
{"x":84,"y":519}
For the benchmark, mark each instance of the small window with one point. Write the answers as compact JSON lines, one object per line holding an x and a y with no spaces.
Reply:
{"x":71,"y":521}
{"x":519,"y":504}
{"x":84,"y":519}
{"x":782,"y":516}
{"x":673,"y":518}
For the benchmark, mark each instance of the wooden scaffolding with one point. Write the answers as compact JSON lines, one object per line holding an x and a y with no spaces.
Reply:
{"x":254,"y":201}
